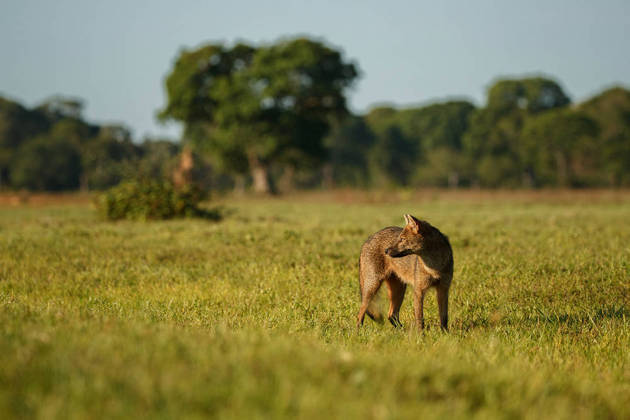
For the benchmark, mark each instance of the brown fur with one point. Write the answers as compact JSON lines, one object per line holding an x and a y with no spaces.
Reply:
{"x":419,"y":255}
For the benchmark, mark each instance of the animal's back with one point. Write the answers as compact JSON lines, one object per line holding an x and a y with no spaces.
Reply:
{"x":379,"y":241}
{"x":374,"y":264}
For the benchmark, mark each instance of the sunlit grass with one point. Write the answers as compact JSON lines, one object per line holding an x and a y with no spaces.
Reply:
{"x":254,"y":316}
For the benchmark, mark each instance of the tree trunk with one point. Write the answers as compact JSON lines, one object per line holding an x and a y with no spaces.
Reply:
{"x":83,"y":182}
{"x":239,"y":184}
{"x":528,"y":178}
{"x":182,"y":175}
{"x":260,"y":175}
{"x":328,"y":179}
{"x":286,"y":183}
{"x":562,"y":167}
{"x":453,"y":179}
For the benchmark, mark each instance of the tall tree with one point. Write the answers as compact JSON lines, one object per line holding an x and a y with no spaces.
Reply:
{"x":348,"y":144}
{"x":393,"y":155}
{"x":107,"y":158}
{"x":17,"y":124}
{"x":60,"y":107}
{"x":254,"y":107}
{"x":438,"y":129}
{"x":431,"y":140}
{"x":392,"y":158}
{"x":533,"y":94}
{"x":559,"y":145}
{"x":611,"y":110}
{"x":439,"y":125}
{"x":46,"y":164}
{"x":493,"y":137}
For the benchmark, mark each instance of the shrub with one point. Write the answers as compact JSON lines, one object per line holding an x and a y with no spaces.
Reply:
{"x":151,"y":200}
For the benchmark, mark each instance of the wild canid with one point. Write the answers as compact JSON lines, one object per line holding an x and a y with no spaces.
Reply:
{"x":419,"y":255}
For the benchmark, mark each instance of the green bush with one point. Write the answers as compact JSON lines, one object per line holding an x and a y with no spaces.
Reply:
{"x":150,"y":200}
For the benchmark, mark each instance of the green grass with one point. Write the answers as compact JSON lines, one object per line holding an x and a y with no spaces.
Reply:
{"x":254,"y":316}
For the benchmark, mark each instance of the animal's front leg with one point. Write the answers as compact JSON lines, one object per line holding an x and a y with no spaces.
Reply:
{"x":442,"y":299}
{"x":418,"y":307}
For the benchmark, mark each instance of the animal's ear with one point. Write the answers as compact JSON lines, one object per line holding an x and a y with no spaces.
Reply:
{"x":413,"y":223}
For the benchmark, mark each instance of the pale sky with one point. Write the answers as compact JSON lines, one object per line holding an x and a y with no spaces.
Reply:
{"x":115,"y":54}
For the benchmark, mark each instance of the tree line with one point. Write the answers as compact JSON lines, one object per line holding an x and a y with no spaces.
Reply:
{"x":51,"y":147}
{"x":528,"y":134}
{"x":274,"y":117}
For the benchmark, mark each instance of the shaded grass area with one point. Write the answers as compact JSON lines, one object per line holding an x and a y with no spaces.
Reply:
{"x":253,"y":317}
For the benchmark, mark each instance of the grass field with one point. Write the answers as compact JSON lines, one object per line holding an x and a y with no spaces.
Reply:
{"x":254,"y":316}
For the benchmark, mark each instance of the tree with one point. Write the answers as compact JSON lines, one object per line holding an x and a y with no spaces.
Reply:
{"x":535,"y":94}
{"x":157,"y":160}
{"x":392,"y":158}
{"x":437,"y":126}
{"x":443,"y":167}
{"x":107,"y":158}
{"x":17,"y":124}
{"x":393,"y":155}
{"x":348,"y":144}
{"x":559,"y":147}
{"x":254,"y":107}
{"x":379,"y":119}
{"x":494,"y":140}
{"x":46,"y":164}
{"x":493,"y":136}
{"x":59,"y":107}
{"x":438,"y":129}
{"x":429,"y":135}
{"x":611,"y":110}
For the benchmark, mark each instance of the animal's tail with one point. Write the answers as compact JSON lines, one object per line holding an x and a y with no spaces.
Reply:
{"x":374,"y":312}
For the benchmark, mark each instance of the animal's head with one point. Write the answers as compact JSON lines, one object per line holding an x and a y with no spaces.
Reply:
{"x":411,"y":239}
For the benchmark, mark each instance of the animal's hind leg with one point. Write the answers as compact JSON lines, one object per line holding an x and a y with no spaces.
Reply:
{"x":442,"y":299}
{"x":370,"y":284}
{"x":396,"y":293}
